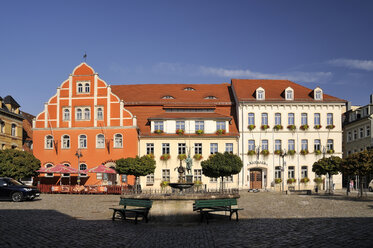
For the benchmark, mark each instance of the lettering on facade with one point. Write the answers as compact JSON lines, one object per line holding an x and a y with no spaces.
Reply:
{"x":258,"y":162}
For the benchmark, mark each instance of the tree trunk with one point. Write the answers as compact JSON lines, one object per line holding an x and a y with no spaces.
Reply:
{"x":360,"y":186}
{"x":330,"y":184}
{"x":222,"y":184}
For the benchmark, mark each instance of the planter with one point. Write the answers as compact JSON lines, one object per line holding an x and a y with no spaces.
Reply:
{"x":197,"y":156}
{"x":292,"y":127}
{"x":291,"y":180}
{"x":317,"y":126}
{"x":304,"y":127}
{"x":251,"y":152}
{"x":199,"y":132}
{"x":180,"y":131}
{"x":150,"y":155}
{"x":278,"y":152}
{"x":278,"y":127}
{"x":304,"y":152}
{"x":291,"y":152}
{"x":181,"y":156}
{"x":305,"y":180}
{"x":251,"y":127}
{"x":220,"y":132}
{"x":317,"y":152}
{"x":158,"y":131}
{"x":164,"y":184}
{"x":278,"y":180}
{"x":264,"y":127}
{"x":330,"y":151}
{"x":330,"y":127}
{"x":264,"y":152}
{"x":318,"y":180}
{"x":165,"y":157}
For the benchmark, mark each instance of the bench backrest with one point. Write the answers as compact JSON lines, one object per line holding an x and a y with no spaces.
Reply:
{"x":136,"y":202}
{"x":215,"y":203}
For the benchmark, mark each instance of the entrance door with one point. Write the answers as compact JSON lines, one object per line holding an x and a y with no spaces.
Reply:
{"x":255,"y":179}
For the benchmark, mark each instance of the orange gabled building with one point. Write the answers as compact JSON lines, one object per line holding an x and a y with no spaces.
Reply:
{"x":84,"y":118}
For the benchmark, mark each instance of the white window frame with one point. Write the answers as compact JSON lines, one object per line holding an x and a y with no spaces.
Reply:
{"x":317,"y":118}
{"x":229,"y":147}
{"x":291,"y":118}
{"x":150,"y":179}
{"x":49,"y":143}
{"x":264,"y":118}
{"x":81,"y":139}
{"x":260,"y":94}
{"x":199,"y":124}
{"x":87,"y":114}
{"x":79,"y":114}
{"x":65,"y":141}
{"x":66,"y":114}
{"x":80,"y":168}
{"x":99,"y":113}
{"x":265,"y":144}
{"x":100,"y":145}
{"x":118,"y":140}
{"x":318,"y":94}
{"x":159,"y":125}
{"x":277,"y":118}
{"x":14,"y":129}
{"x":47,"y":166}
{"x":329,"y":119}
{"x":220,"y":125}
{"x":214,"y":148}
{"x":289,"y":93}
{"x":251,"y":119}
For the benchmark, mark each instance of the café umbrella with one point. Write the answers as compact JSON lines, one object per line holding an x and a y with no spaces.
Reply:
{"x":59,"y":169}
{"x":101,"y":169}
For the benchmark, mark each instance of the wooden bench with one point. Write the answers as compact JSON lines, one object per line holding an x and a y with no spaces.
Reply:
{"x":302,"y":191}
{"x":204,"y":207}
{"x":140,"y":207}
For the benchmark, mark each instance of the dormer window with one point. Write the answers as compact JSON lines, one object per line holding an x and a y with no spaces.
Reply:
{"x":210,"y":97}
{"x":318,"y":94}
{"x":260,"y":94}
{"x":189,"y":89}
{"x":168,"y":97}
{"x":289,"y":94}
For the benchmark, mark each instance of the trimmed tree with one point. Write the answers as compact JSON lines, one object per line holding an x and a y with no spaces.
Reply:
{"x":18,"y":164}
{"x":139,"y":166}
{"x":221,"y":165}
{"x":358,"y":164}
{"x":328,"y":166}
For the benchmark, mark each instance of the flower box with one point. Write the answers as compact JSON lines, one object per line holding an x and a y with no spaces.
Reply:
{"x":181,"y":156}
{"x":165,"y":157}
{"x":158,"y":131}
{"x":197,"y":156}
{"x":220,"y":131}
{"x":317,"y":126}
{"x":180,"y":131}
{"x":330,"y":151}
{"x":278,"y":180}
{"x":164,"y":184}
{"x":251,"y":127}
{"x":264,"y":152}
{"x":305,"y":180}
{"x":304,"y":127}
{"x":278,"y":152}
{"x":278,"y":127}
{"x":292,"y":127}
{"x":318,"y":180}
{"x":251,"y":152}
{"x":150,"y":155}
{"x":264,"y":127}
{"x":291,"y":152}
{"x":199,"y":132}
{"x":317,"y":152}
{"x":304,"y":152}
{"x":291,"y":180}
{"x":330,"y":127}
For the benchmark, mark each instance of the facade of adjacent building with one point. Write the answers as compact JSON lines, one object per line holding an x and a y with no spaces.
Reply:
{"x":10,"y":124}
{"x":284,"y":128}
{"x":84,"y":125}
{"x":180,"y":120}
{"x":357,"y":126}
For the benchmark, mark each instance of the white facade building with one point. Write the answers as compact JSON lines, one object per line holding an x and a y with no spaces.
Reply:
{"x":284,"y":128}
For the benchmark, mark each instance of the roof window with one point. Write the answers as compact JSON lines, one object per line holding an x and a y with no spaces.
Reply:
{"x":189,"y":89}
{"x":168,"y":97}
{"x":210,"y":97}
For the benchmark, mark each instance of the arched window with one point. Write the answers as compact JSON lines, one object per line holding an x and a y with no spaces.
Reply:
{"x":66,"y":174}
{"x":79,"y":115}
{"x":118,"y":141}
{"x":49,"y":174}
{"x":82,"y":167}
{"x":48,"y":142}
{"x":14,"y":128}
{"x":66,"y":114}
{"x":260,"y":94}
{"x":2,"y":126}
{"x":100,"y":141}
{"x":82,"y":141}
{"x":80,"y":88}
{"x":87,"y":114}
{"x":66,"y":142}
{"x":87,"y":88}
{"x":100,"y":114}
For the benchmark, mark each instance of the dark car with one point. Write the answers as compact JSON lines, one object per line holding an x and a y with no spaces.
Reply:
{"x":16,"y":191}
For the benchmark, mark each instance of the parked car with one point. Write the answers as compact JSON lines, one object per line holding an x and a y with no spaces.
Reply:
{"x":370,"y":187}
{"x":14,"y":190}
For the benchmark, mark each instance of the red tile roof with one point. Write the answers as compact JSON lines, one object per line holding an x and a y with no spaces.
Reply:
{"x":274,"y":90}
{"x":183,"y":115}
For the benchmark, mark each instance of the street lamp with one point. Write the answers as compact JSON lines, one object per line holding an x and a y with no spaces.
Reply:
{"x":282,"y":155}
{"x":78,"y":154}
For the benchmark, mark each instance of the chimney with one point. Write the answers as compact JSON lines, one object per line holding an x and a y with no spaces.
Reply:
{"x":348,"y":106}
{"x":371,"y":99}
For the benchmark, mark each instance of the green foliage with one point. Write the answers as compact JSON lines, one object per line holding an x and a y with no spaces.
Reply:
{"x":197,"y":156}
{"x":304,"y":127}
{"x":265,"y":152}
{"x":318,"y":180}
{"x":18,"y":164}
{"x":305,"y":180}
{"x":291,"y":152}
{"x":251,"y":152}
{"x":317,"y":152}
{"x":304,"y":152}
{"x":251,"y":127}
{"x":164,"y":184}
{"x":278,"y":180}
{"x":329,"y":166}
{"x":165,"y":157}
{"x":360,"y":164}
{"x":278,"y":127}
{"x":291,"y":180}
{"x":221,"y":165}
{"x":139,"y":166}
{"x":181,"y":156}
{"x":199,"y":132}
{"x":292,"y":127}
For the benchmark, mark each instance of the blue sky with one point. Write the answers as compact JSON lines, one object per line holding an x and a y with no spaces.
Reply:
{"x":314,"y":43}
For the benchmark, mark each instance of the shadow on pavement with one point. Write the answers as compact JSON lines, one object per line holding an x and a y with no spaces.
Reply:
{"x":49,"y":228}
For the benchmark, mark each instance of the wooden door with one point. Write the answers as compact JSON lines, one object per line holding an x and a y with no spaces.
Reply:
{"x":255,"y":179}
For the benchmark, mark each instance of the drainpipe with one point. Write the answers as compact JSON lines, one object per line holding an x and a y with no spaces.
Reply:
{"x":242,"y":147}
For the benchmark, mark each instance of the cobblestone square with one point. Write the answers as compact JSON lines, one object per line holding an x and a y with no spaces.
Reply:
{"x":269,"y":219}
